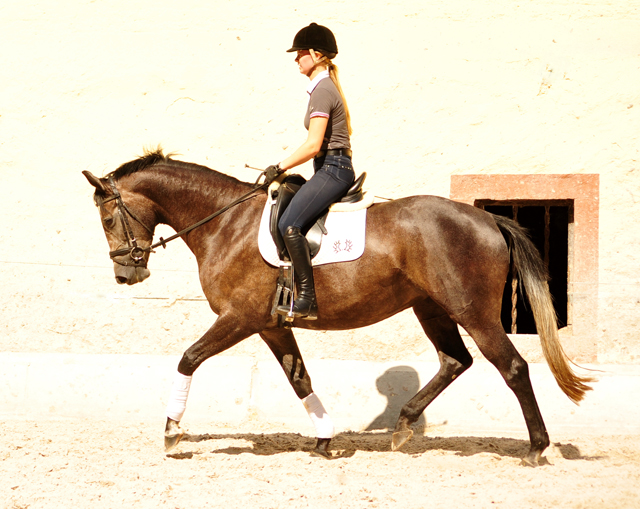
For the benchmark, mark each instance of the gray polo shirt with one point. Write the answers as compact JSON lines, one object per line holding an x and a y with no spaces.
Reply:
{"x":325,"y":101}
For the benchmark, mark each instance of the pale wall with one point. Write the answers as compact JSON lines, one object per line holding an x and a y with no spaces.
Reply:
{"x":435,"y":88}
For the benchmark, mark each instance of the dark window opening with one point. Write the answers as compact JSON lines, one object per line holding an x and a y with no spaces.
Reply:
{"x":548,"y":225}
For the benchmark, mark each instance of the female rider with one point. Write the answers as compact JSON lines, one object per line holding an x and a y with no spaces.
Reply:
{"x":328,"y":122}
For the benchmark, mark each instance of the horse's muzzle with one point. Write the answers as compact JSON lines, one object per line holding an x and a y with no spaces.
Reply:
{"x":130,"y":275}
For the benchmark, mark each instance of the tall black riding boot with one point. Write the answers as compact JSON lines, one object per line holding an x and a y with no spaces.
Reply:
{"x":305,"y":304}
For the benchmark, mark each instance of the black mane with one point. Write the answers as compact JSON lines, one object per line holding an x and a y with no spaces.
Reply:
{"x":147,"y":160}
{"x":154,"y":157}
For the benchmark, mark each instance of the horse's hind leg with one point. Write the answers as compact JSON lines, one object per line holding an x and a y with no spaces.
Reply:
{"x":283,"y":345}
{"x":454,"y":360}
{"x":495,"y":345}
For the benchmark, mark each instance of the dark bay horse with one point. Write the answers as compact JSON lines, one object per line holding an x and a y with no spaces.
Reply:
{"x":447,"y":261}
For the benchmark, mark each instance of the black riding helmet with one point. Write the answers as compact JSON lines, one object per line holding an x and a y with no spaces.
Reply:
{"x":315,"y":37}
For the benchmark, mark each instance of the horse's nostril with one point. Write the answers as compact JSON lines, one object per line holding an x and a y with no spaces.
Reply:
{"x":121,"y":280}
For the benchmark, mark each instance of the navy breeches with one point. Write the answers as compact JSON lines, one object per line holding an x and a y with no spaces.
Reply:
{"x":333,"y":177}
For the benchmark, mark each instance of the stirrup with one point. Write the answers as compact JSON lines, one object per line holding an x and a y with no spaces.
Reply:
{"x":292,"y":313}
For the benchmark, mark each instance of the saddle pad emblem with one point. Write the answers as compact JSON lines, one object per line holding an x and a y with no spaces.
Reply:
{"x":344,"y":241}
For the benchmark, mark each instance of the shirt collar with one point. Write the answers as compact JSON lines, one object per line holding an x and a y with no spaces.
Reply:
{"x":314,"y":82}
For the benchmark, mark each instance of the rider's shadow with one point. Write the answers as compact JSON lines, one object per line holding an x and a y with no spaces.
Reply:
{"x":398,"y":384}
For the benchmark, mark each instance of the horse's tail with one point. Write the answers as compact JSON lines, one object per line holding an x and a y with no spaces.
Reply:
{"x":533,"y":274}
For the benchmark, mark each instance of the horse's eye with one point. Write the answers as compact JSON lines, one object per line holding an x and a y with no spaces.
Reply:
{"x":108,"y":222}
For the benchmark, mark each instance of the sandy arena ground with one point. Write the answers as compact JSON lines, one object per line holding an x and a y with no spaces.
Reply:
{"x":98,"y":464}
{"x":436,"y":89}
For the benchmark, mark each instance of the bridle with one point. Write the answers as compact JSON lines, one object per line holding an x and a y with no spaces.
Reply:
{"x":133,"y":250}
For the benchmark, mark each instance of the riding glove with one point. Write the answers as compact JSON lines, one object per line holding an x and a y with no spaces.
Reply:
{"x":272,"y":173}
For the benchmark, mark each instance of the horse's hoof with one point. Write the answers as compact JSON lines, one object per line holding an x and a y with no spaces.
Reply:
{"x":172,"y":435}
{"x":400,"y":438}
{"x":170,"y":441}
{"x":531,"y":460}
{"x":321,"y":449}
{"x":320,"y":453}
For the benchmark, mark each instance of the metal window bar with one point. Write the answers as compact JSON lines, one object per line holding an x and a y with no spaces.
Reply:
{"x":514,"y":276}
{"x":514,"y":286}
{"x":547,"y":233}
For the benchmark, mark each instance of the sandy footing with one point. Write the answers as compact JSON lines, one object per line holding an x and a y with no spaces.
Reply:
{"x":98,"y":464}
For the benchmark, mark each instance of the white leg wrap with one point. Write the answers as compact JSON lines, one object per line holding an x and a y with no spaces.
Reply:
{"x":178,"y":399}
{"x":319,"y":417}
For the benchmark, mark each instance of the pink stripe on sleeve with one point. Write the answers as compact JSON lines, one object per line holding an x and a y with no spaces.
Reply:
{"x":319,"y":114}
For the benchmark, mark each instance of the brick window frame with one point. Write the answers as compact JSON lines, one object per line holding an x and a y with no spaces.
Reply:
{"x":580,"y":337}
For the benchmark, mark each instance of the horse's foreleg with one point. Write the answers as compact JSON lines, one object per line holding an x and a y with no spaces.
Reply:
{"x":454,"y":360}
{"x":175,"y":410}
{"x":283,"y":345}
{"x":225,"y":332}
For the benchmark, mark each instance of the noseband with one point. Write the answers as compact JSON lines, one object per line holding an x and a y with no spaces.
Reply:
{"x":135,"y":252}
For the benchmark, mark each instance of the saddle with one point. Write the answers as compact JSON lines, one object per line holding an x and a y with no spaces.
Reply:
{"x":283,"y":196}
{"x":280,"y":195}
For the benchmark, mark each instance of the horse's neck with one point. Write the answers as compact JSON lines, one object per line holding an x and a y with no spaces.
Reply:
{"x":184,"y":194}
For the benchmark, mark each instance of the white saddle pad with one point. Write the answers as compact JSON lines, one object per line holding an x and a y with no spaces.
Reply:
{"x":344,"y":242}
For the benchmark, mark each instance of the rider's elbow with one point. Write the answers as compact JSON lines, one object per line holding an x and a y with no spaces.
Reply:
{"x":314,"y":148}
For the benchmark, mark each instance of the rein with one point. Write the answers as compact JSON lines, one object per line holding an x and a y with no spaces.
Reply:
{"x":135,"y":252}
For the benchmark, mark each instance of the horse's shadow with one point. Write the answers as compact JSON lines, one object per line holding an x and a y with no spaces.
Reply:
{"x":345,"y":445}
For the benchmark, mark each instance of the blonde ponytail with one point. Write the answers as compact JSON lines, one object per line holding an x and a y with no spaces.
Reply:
{"x":333,"y":74}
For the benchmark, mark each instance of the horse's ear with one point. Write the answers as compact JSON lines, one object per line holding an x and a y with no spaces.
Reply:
{"x":95,"y":181}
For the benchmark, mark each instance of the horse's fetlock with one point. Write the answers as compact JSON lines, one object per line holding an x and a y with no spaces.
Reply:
{"x":403,"y":423}
{"x":408,"y":416}
{"x":541,"y":442}
{"x":302,"y":387}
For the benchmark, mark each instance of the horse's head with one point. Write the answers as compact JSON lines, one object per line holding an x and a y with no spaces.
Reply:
{"x":128,"y":236}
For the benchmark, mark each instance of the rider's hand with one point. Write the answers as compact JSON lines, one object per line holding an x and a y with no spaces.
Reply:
{"x":272,"y":173}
